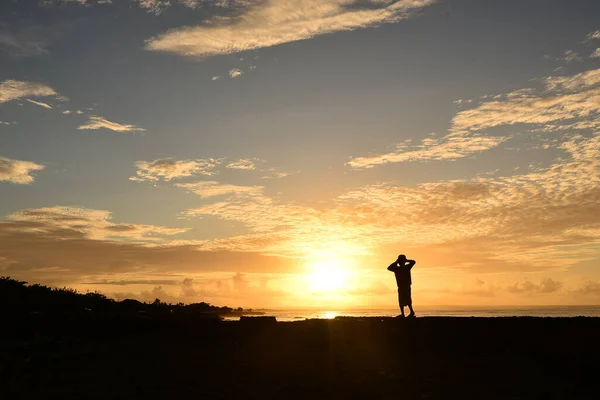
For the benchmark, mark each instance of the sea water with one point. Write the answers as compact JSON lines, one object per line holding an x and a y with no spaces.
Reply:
{"x":440,"y":311}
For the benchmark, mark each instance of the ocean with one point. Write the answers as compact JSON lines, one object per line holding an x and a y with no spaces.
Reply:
{"x":439,"y":311}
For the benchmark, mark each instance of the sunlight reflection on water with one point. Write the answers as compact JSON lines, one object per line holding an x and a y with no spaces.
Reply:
{"x":439,"y":311}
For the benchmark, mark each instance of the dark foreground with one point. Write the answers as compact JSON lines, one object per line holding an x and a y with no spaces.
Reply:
{"x":426,"y":358}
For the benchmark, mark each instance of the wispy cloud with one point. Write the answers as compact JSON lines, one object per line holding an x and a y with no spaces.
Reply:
{"x":39,"y":103}
{"x":12,"y":90}
{"x":168,"y":169}
{"x":95,"y":122}
{"x":94,"y":224}
{"x":452,"y":147}
{"x":18,"y":171}
{"x":569,"y":56}
{"x":593,"y":36}
{"x":208,"y":189}
{"x":266,"y":24}
{"x":275,"y":174}
{"x":216,"y":77}
{"x":235,"y":72}
{"x":596,"y":54}
{"x":243,"y":164}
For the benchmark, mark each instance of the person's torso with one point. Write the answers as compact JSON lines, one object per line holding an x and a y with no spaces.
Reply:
{"x":403,"y":276}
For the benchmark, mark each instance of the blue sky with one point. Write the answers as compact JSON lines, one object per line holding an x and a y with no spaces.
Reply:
{"x":219,"y":142}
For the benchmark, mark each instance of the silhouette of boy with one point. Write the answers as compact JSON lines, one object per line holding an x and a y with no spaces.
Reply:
{"x":401,"y":269}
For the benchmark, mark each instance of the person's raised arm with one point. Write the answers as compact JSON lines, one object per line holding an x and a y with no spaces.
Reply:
{"x":393,"y":266}
{"x":411,"y":263}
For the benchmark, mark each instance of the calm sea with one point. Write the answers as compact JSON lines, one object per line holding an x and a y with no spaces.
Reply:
{"x":429,"y":311}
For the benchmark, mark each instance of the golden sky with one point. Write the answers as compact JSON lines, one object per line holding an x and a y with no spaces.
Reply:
{"x":283,"y":153}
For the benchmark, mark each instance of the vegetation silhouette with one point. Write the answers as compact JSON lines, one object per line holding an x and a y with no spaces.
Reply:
{"x":17,"y":297}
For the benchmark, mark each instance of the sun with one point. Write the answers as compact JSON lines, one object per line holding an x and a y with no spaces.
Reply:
{"x":328,"y":276}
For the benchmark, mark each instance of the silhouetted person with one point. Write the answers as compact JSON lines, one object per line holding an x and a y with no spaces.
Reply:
{"x":401,"y":268}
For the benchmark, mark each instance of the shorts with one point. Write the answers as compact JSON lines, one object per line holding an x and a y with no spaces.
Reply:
{"x":404,"y":296}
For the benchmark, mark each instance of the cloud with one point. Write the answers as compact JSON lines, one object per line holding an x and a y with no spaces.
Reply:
{"x":189,"y":3}
{"x":125,"y":282}
{"x":208,"y":189}
{"x":273,"y":174}
{"x":234,"y":73}
{"x":590,"y":288}
{"x":69,"y":245}
{"x":452,"y":147}
{"x":17,"y":171}
{"x":593,"y":36}
{"x":479,"y":288}
{"x":168,"y":169}
{"x":564,"y":102}
{"x":547,"y":285}
{"x":12,"y":90}
{"x":216,"y":77}
{"x":39,"y":103}
{"x":562,"y":99}
{"x":94,"y":224}
{"x":564,"y":85}
{"x":266,"y":24}
{"x":541,"y":220}
{"x":95,"y":122}
{"x":596,"y":54}
{"x":243,"y":164}
{"x":156,"y":7}
{"x":569,"y":57}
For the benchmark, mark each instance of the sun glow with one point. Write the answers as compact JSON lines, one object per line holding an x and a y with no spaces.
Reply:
{"x":328,"y":276}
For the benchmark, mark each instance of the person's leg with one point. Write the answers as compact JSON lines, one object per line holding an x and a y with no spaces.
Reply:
{"x":410,"y":307}
{"x":400,"y":302}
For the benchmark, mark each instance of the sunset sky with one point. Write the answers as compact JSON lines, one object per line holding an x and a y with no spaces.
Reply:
{"x":282,"y":153}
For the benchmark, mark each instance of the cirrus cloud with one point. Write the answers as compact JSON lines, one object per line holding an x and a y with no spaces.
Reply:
{"x":266,"y":24}
{"x":95,"y":122}
{"x":40,"y":103}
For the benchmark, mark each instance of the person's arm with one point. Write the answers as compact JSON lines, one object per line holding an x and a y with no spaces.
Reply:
{"x":411,"y":263}
{"x":393,"y":266}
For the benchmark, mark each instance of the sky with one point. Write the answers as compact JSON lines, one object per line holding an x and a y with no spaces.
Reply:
{"x":282,"y":153}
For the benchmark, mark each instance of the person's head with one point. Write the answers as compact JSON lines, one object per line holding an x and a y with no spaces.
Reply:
{"x":401,"y":258}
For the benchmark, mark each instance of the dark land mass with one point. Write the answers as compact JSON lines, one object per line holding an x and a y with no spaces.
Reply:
{"x":132,"y":355}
